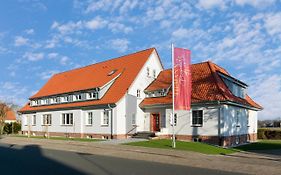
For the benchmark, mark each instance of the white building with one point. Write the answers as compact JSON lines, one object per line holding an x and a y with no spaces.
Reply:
{"x":119,"y":97}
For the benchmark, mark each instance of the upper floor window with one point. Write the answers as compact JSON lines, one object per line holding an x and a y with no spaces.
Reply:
{"x":197,"y":117}
{"x":147,"y":71}
{"x":67,"y":119}
{"x":91,"y":95}
{"x":47,"y":119}
{"x":138,"y":93}
{"x":78,"y":97}
{"x":154,"y":73}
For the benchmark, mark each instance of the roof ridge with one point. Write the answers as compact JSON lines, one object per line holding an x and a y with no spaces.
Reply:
{"x":105,"y":61}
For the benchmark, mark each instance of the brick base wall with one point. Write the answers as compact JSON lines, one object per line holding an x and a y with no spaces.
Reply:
{"x":75,"y":135}
{"x":223,"y":141}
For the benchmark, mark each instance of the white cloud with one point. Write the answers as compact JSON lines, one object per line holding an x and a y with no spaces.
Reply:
{"x":53,"y":55}
{"x":20,"y":41}
{"x":29,"y":31}
{"x":96,"y":23}
{"x":255,"y":3}
{"x":116,"y":27}
{"x":121,"y":45}
{"x":273,"y":23}
{"x":69,"y":27}
{"x":33,"y":56}
{"x":64,"y":60}
{"x":47,"y":74}
{"x":209,"y":4}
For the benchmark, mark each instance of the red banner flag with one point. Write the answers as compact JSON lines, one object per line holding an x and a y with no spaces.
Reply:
{"x":182,"y":79}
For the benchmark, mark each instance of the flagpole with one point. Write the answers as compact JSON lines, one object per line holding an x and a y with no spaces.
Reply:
{"x":173,"y":110}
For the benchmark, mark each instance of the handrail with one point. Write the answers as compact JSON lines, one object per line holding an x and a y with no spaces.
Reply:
{"x":131,"y":130}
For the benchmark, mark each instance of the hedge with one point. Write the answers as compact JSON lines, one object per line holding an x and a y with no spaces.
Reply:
{"x":269,"y":133}
{"x":9,"y":128}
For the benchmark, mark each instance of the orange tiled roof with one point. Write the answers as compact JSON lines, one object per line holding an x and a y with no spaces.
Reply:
{"x":10,"y":114}
{"x":93,"y":76}
{"x":206,"y":86}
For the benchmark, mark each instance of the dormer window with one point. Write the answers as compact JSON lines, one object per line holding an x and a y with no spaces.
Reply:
{"x":78,"y":97}
{"x":91,"y":95}
{"x":111,"y":72}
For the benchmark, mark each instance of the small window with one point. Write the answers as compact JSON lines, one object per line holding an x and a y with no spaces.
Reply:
{"x":92,"y":95}
{"x":197,"y":117}
{"x":175,"y":120}
{"x":111,"y":72}
{"x":47,"y":119}
{"x":25,"y":120}
{"x":65,"y":98}
{"x":90,"y":118}
{"x":147,"y":72}
{"x":154,"y":73}
{"x":138,"y":93}
{"x":78,"y":97}
{"x":67,"y":119}
{"x":134,"y":119}
{"x":105,"y":117}
{"x":34,"y":120}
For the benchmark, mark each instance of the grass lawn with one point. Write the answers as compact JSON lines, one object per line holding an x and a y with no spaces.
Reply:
{"x":61,"y":138}
{"x":181,"y":145}
{"x":261,"y":145}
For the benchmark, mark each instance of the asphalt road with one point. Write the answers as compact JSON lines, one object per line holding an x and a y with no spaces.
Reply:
{"x":32,"y":159}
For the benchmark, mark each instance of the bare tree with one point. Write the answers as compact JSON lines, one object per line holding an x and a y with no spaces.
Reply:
{"x":3,"y":114}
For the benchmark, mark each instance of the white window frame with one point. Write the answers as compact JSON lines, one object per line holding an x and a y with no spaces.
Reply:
{"x":105,"y":121}
{"x":89,"y":116}
{"x":25,"y":120}
{"x":148,"y":72}
{"x":48,"y":118}
{"x":191,"y":119}
{"x":134,"y":119}
{"x":80,"y":97}
{"x":33,"y":120}
{"x":64,"y":120}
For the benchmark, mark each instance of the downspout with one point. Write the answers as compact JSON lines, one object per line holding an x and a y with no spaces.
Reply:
{"x":111,"y":121}
{"x":219,"y":122}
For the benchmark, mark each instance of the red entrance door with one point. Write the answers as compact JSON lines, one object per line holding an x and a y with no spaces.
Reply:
{"x":155,"y":122}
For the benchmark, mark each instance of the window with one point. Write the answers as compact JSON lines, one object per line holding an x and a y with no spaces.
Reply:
{"x":134,"y":119}
{"x":138,"y":93}
{"x":175,"y":120}
{"x":91,"y":95}
{"x":147,"y":72}
{"x":34,"y":120}
{"x":197,"y":118}
{"x":47,"y":119}
{"x":65,"y":98}
{"x":67,"y":119}
{"x":25,"y":120}
{"x":55,"y":100}
{"x":105,"y":117}
{"x":154,"y":73}
{"x":78,"y":97}
{"x":89,"y":118}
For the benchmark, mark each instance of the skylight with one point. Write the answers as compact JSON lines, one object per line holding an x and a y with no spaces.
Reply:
{"x":111,"y":72}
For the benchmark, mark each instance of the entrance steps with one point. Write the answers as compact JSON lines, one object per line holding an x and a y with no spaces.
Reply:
{"x":144,"y":135}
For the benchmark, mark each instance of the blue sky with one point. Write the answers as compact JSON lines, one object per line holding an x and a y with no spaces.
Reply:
{"x":40,"y":38}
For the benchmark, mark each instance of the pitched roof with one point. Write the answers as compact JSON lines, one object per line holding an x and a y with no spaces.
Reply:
{"x":95,"y":75}
{"x":10,"y":114}
{"x":207,"y":86}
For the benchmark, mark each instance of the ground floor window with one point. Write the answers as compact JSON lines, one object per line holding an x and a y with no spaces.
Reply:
{"x":105,"y":117}
{"x":89,"y":120}
{"x":197,"y":118}
{"x":67,"y":119}
{"x":47,"y":119}
{"x":34,"y":120}
{"x":134,"y":119}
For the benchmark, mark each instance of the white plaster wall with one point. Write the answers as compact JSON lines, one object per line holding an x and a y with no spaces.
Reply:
{"x":141,"y":82}
{"x":184,"y":122}
{"x":131,"y":108}
{"x":232,"y":127}
{"x":253,"y":122}
{"x":120,"y":117}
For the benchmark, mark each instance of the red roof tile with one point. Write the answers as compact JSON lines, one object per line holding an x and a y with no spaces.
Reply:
{"x":206,"y":86}
{"x":92,"y":76}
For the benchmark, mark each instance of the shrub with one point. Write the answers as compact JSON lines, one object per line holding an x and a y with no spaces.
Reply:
{"x":269,"y":133}
{"x":9,"y":128}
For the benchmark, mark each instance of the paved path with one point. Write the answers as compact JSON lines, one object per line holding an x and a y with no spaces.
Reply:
{"x":121,"y":141}
{"x":239,"y":163}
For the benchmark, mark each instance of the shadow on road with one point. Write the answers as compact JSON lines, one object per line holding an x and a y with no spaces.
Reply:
{"x":29,"y":160}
